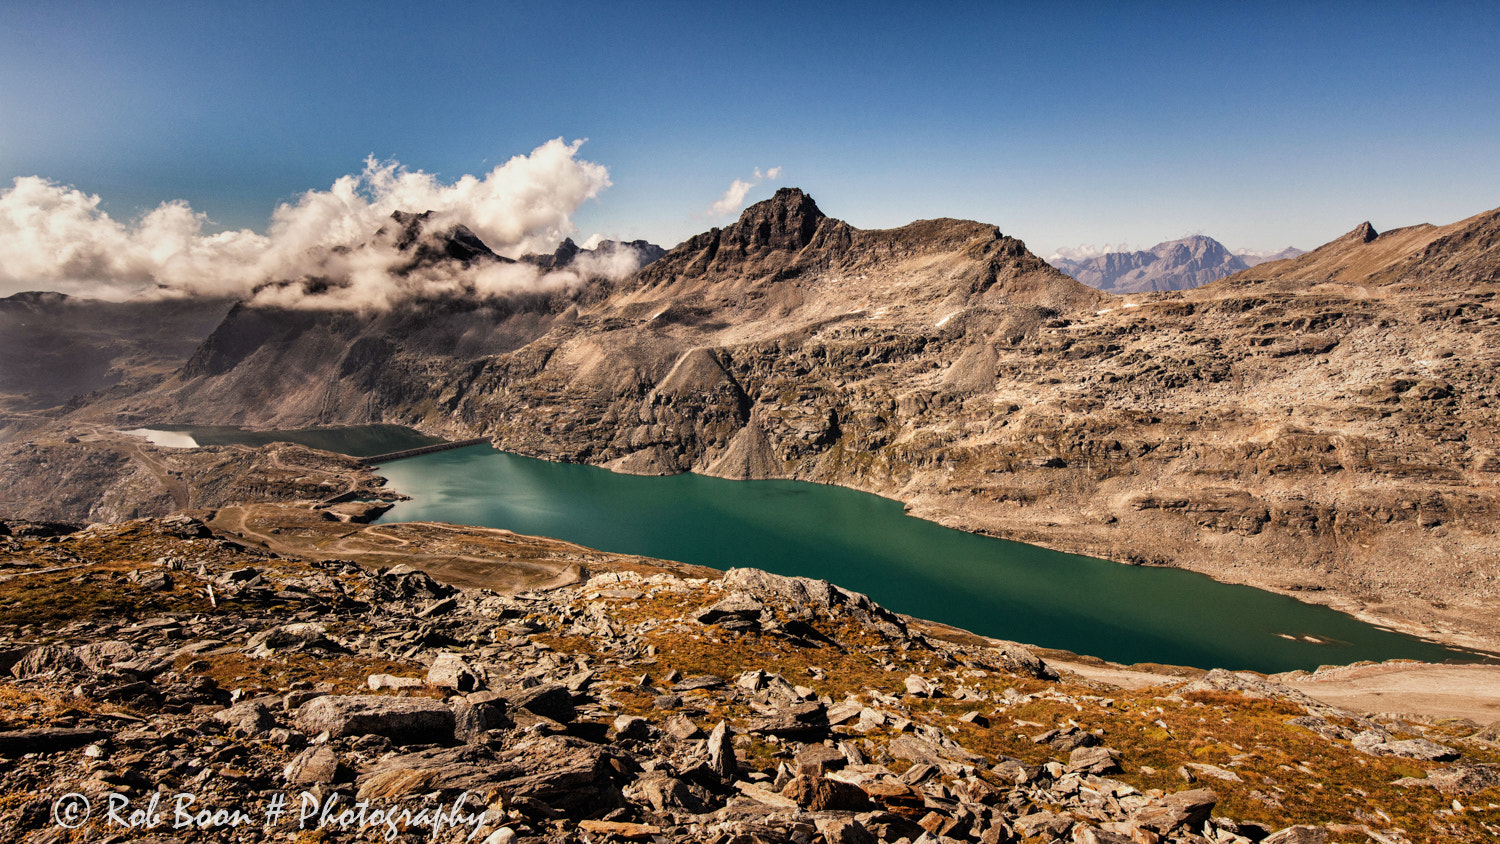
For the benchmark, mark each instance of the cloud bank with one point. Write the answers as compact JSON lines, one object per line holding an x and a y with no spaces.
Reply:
{"x":1085,"y":251}
{"x":57,"y":237}
{"x":734,"y":197}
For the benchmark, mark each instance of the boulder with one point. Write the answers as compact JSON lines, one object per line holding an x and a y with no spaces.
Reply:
{"x":316,"y":765}
{"x":549,"y":700}
{"x":377,"y":682}
{"x":103,"y":656}
{"x":663,"y":792}
{"x":251,"y":718}
{"x":844,"y":831}
{"x":632,"y":727}
{"x":294,"y":637}
{"x":1457,"y":779}
{"x":721,"y":752}
{"x":681,"y":727}
{"x":450,"y":671}
{"x":46,"y":661}
{"x":736,"y":611}
{"x":474,"y":716}
{"x":1174,"y":811}
{"x":923,"y":751}
{"x":918,"y":687}
{"x":820,"y":794}
{"x":816,"y":759}
{"x":404,"y":720}
{"x":1092,"y":760}
{"x":1300,"y":834}
{"x":1378,"y":743}
{"x":14,"y":743}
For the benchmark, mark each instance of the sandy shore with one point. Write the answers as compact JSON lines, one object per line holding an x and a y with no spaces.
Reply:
{"x":1398,"y":688}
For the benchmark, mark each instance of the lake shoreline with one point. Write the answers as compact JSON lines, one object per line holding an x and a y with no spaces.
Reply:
{"x":415,"y":510}
{"x":940,"y":511}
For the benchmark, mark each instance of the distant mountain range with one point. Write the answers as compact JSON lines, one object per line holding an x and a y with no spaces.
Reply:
{"x":568,"y":252}
{"x":1175,"y":265}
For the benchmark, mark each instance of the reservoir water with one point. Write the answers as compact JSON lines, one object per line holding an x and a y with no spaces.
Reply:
{"x":863,"y":542}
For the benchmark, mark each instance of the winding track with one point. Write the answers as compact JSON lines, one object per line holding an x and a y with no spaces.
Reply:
{"x":503,"y":573}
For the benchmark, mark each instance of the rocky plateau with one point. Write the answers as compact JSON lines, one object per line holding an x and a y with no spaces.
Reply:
{"x":174,"y":679}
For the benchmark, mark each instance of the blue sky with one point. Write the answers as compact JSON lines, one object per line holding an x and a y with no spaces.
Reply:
{"x":1278,"y":124}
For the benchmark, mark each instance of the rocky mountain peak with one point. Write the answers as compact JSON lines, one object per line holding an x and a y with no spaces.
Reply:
{"x":786,"y":221}
{"x":1174,"y":265}
{"x":428,"y":246}
{"x":562,"y":256}
{"x":1195,"y":244}
{"x":567,"y":252}
{"x":1364,"y":233}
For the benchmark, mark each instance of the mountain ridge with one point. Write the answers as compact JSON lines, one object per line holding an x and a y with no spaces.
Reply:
{"x":1180,"y":264}
{"x":1448,"y":257}
{"x":1269,"y":428}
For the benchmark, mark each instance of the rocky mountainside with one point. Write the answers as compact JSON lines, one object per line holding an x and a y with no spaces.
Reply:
{"x":1326,"y":426}
{"x":1438,"y":259}
{"x":189,"y":672}
{"x":103,"y":476}
{"x":54,"y":347}
{"x":1175,"y":265}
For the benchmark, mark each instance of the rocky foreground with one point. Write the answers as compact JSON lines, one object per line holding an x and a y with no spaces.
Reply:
{"x":161,"y":663}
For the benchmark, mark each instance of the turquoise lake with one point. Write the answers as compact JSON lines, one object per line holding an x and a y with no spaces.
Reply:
{"x":863,"y":542}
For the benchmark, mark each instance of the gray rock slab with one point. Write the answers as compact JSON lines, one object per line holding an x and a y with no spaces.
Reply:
{"x":404,"y":720}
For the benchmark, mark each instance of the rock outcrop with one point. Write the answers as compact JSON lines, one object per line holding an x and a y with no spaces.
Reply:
{"x":620,"y":708}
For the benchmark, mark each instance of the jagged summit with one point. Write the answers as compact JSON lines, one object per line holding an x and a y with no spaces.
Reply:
{"x":786,"y":221}
{"x":1364,"y":233}
{"x":568,"y":252}
{"x":456,"y":242}
{"x":943,"y":263}
{"x":562,"y":256}
{"x":763,"y":242}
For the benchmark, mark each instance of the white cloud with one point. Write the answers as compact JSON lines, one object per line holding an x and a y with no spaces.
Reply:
{"x":734,"y":197}
{"x":56,"y":237}
{"x":1085,"y":251}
